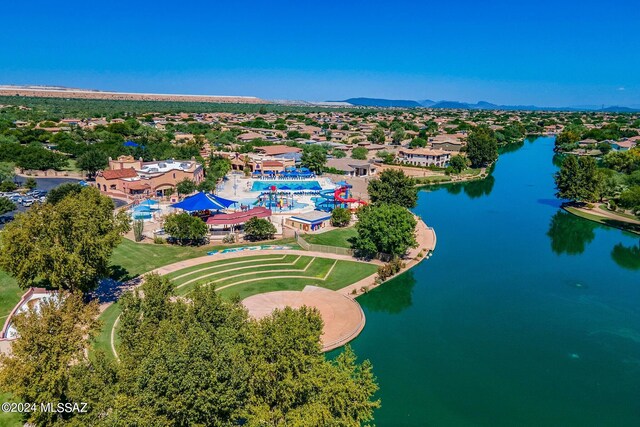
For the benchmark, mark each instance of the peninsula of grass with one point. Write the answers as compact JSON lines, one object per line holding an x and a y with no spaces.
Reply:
{"x":336,"y":237}
{"x":622,"y":225}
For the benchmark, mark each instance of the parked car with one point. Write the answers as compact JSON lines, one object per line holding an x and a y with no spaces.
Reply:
{"x":27,"y":201}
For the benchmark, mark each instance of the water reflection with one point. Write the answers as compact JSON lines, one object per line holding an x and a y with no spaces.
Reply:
{"x":626,"y":256}
{"x":473,"y":189}
{"x":396,"y":299}
{"x":479,"y":188}
{"x":514,"y":146}
{"x":570,"y":234}
{"x":558,"y":159}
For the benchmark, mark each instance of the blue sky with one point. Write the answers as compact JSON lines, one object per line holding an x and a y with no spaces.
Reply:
{"x":552,"y":53}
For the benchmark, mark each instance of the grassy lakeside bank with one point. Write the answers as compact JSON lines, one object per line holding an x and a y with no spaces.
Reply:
{"x":625,"y":226}
{"x":337,"y":237}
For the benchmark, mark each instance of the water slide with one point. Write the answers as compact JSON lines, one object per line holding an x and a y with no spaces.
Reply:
{"x":337,"y":195}
{"x":334,"y":198}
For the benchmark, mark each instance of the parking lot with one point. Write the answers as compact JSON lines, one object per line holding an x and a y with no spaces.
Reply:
{"x":43,"y":187}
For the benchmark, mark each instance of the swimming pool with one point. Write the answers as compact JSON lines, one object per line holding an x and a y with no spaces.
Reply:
{"x":286,"y":185}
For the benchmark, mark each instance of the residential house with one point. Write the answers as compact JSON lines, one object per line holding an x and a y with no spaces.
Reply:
{"x":424,"y":157}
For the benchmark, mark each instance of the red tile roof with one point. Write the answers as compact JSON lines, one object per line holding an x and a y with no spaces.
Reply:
{"x":274,"y":150}
{"x":119,"y":173}
{"x":272,"y":163}
{"x":239,"y":217}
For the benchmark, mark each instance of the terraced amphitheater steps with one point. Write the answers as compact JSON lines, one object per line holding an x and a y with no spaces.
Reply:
{"x":216,"y":264}
{"x":282,"y":277}
{"x":254,"y":269}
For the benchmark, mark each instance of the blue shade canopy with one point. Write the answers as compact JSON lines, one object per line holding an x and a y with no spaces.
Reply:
{"x":203,"y":201}
{"x":130,"y":144}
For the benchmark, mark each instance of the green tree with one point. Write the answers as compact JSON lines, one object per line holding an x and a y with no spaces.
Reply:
{"x":458,"y":163}
{"x":338,"y":154}
{"x":63,"y":246}
{"x":53,"y":338}
{"x":7,"y":186}
{"x":377,"y":135}
{"x":578,"y":179}
{"x":398,"y":135}
{"x":314,"y":157}
{"x":7,"y":171}
{"x":306,"y":389}
{"x":35,"y":157}
{"x":204,"y":362}
{"x":630,"y":198}
{"x":55,"y":195}
{"x":385,"y":228}
{"x":185,"y":228}
{"x":30,"y":183}
{"x":259,"y":229}
{"x":393,"y":187}
{"x":340,"y":217}
{"x":6,"y":205}
{"x":418,"y":143}
{"x":218,"y":167}
{"x":387,"y":157}
{"x":186,"y":186}
{"x":359,"y":153}
{"x":482,"y":147}
{"x":92,"y":161}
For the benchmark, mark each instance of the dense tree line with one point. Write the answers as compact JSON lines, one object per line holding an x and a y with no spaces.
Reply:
{"x":200,"y":361}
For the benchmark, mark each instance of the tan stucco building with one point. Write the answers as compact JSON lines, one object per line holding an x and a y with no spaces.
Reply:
{"x":128,"y":176}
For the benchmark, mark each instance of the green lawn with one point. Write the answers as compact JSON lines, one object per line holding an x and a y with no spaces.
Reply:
{"x":131,"y":259}
{"x":336,"y":237}
{"x":10,"y":294}
{"x":108,"y":318}
{"x":343,"y":274}
{"x":9,"y":419}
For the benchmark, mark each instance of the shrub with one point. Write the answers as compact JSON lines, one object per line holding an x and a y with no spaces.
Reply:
{"x":259,"y":229}
{"x":390,"y":269}
{"x":158,"y":240}
{"x":229,"y":238}
{"x":340,"y":217}
{"x":185,"y":228}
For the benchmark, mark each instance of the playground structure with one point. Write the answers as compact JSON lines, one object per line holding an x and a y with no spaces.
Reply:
{"x":331,"y":199}
{"x":276,"y":200}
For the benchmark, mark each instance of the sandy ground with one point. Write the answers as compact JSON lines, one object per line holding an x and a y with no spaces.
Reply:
{"x":343,"y":318}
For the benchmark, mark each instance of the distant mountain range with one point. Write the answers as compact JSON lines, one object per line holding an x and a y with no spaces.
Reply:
{"x":377,"y":102}
{"x":481,"y":105}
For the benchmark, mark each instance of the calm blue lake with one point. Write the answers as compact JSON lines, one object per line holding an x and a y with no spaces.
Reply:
{"x":524,"y":316}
